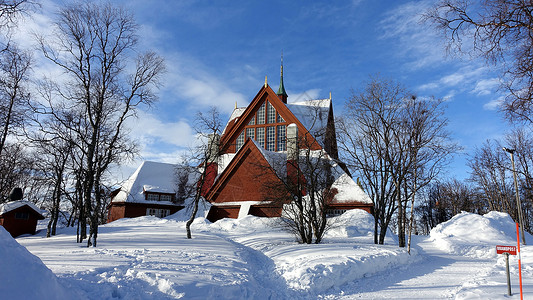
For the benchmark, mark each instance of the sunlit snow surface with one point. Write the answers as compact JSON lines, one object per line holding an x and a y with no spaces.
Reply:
{"x":252,"y":258}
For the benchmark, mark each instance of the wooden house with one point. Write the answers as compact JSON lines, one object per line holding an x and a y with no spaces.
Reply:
{"x":19,"y":217}
{"x":149,"y":191}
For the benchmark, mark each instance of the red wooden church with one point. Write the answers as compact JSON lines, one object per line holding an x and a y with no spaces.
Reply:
{"x":252,"y":151}
{"x":255,"y":139}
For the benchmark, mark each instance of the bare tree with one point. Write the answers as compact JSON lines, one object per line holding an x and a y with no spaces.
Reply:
{"x":397,"y":144}
{"x":95,"y":45}
{"x":301,"y":181}
{"x":14,"y":71}
{"x":491,"y":170}
{"x":10,"y":11}
{"x":501,"y":32}
{"x":16,"y":170}
{"x":196,"y":173}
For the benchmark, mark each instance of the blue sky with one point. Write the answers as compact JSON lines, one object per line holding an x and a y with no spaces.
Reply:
{"x":219,"y":52}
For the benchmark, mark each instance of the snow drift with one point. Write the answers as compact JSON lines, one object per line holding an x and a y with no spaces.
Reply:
{"x":24,"y":276}
{"x":475,"y":235}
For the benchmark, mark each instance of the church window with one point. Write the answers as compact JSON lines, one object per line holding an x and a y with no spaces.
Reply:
{"x":282,"y":132}
{"x":271,"y":113}
{"x":250,"y":133}
{"x":252,"y":121}
{"x":280,"y":119}
{"x":261,"y":114}
{"x":271,"y":138}
{"x":240,"y":141}
{"x":261,"y":136}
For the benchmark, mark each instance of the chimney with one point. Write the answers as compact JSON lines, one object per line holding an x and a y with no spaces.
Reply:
{"x":292,"y":142}
{"x":211,"y":167}
{"x":294,"y":177}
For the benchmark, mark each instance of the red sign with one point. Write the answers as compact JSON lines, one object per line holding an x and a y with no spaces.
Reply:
{"x":506,"y":249}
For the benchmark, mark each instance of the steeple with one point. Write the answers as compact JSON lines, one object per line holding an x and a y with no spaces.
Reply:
{"x":281,"y":91}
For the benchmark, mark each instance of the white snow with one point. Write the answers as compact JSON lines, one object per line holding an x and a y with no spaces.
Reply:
{"x":313,"y":114}
{"x":12,"y":205}
{"x":24,"y":276}
{"x":252,"y":258}
{"x":149,"y":177}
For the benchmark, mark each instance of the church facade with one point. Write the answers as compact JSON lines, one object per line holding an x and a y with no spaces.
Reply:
{"x":255,"y":155}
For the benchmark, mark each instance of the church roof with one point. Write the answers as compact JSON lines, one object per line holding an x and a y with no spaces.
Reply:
{"x":348,"y":190}
{"x":149,"y":177}
{"x":237,"y":112}
{"x":313,"y":114}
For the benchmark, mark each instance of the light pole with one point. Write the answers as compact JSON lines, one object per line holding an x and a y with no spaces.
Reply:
{"x":518,"y":203}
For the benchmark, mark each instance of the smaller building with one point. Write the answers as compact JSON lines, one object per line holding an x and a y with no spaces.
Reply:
{"x":19,"y":217}
{"x":150,"y":191}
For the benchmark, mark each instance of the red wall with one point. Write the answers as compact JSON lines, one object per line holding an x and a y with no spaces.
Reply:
{"x":265,"y":211}
{"x":18,"y":226}
{"x":133,"y":210}
{"x":219,"y":212}
{"x":247,"y":181}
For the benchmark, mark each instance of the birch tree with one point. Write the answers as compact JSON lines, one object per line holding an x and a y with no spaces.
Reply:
{"x":106,"y":80}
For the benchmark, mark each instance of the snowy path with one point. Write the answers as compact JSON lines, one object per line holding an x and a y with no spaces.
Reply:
{"x":150,"y":258}
{"x":437,"y":275}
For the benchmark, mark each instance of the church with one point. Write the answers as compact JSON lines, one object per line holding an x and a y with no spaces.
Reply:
{"x":255,"y":152}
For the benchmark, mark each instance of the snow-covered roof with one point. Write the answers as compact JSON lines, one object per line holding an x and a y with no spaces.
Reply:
{"x":149,"y":177}
{"x":12,"y":205}
{"x":347,"y":189}
{"x":313,"y":114}
{"x":237,"y":112}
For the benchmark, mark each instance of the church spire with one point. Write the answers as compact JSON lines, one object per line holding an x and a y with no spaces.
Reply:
{"x":281,"y":91}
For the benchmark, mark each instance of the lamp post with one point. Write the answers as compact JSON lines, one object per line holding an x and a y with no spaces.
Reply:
{"x":518,"y":203}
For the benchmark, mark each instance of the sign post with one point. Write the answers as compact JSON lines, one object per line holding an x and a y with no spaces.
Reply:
{"x":507,"y":250}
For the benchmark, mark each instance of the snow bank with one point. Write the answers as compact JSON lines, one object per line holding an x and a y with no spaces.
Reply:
{"x":475,"y":235}
{"x":355,"y":223}
{"x":347,"y":254}
{"x":317,"y":268}
{"x":24,"y":276}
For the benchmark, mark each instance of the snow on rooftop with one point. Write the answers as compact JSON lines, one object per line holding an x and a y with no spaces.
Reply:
{"x":313,"y":114}
{"x":9,"y":206}
{"x":347,"y":189}
{"x":237,"y":112}
{"x":149,"y":177}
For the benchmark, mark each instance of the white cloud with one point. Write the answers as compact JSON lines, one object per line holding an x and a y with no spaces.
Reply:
{"x":493,"y":104}
{"x":149,"y":129}
{"x":463,"y":79}
{"x":420,"y":45}
{"x":486,"y":86}
{"x":193,"y":84}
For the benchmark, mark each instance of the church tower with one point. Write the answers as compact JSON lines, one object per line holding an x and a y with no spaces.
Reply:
{"x":281,"y":91}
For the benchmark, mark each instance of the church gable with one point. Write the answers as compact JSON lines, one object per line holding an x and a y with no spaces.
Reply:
{"x":265,"y":120}
{"x":243,"y":179}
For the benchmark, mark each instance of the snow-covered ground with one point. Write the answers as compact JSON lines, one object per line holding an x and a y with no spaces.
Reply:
{"x":251,"y":258}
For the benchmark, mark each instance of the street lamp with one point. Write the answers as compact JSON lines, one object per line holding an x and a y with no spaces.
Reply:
{"x":518,"y":203}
